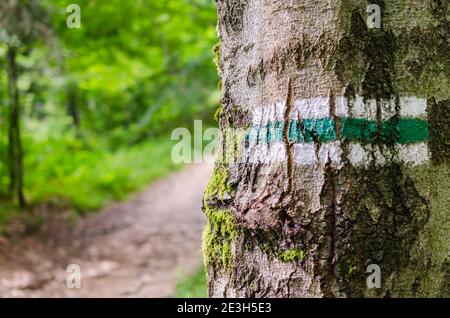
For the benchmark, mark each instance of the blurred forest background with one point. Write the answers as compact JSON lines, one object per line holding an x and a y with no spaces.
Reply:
{"x":86,"y":113}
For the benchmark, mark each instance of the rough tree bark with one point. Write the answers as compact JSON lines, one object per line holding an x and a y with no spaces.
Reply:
{"x":339,"y":157}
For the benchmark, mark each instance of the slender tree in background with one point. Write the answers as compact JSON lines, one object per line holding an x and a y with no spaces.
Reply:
{"x":72,"y":104}
{"x":339,"y":185}
{"x":21,"y":23}
{"x":15,"y":153}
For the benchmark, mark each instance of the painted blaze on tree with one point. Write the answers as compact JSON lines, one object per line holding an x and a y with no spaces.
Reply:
{"x":344,"y":162}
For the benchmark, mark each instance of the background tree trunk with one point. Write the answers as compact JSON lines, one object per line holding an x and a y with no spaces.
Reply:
{"x":72,"y":105}
{"x":354,"y":167}
{"x":15,"y":152}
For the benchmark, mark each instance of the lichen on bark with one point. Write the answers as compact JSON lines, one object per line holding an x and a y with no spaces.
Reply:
{"x":439,"y":122}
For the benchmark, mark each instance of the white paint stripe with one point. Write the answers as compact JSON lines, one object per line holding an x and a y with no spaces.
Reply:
{"x":305,"y":154}
{"x":265,"y":154}
{"x":277,"y":152}
{"x":263,"y":115}
{"x":316,"y":108}
{"x":257,"y":116}
{"x":360,"y":156}
{"x":387,"y":108}
{"x":280,"y":110}
{"x":361,"y":109}
{"x":313,"y":108}
{"x":411,"y":106}
{"x":331,"y":152}
{"x":342,"y":106}
{"x":412,"y":154}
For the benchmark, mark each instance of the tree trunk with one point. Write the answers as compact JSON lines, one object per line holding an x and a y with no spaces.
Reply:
{"x":335,"y":153}
{"x":15,"y":152}
{"x":72,"y":105}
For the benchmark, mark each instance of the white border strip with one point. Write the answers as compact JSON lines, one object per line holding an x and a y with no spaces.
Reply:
{"x":411,"y":106}
{"x":316,"y":108}
{"x":306,"y":154}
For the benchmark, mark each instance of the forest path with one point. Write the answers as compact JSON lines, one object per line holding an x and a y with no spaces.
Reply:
{"x":137,"y":248}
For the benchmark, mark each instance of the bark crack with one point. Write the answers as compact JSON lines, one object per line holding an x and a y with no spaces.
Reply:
{"x":287,"y":143}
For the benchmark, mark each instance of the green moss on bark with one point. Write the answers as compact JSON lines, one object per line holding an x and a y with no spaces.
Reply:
{"x":218,"y":185}
{"x":221,"y":229}
{"x":218,"y":237}
{"x":291,"y":255}
{"x":216,"y":58}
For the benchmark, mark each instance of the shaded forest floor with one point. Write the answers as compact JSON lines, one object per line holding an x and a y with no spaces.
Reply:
{"x":137,"y":248}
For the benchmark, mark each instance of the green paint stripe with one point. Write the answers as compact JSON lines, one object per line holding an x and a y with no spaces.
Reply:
{"x":403,"y":131}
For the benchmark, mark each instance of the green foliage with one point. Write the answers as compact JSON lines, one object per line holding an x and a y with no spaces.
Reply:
{"x":145,"y":65}
{"x":98,"y":103}
{"x":67,"y":171}
{"x":193,"y":286}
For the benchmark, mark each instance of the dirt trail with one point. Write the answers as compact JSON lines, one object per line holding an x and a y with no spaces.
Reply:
{"x":133,"y":249}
